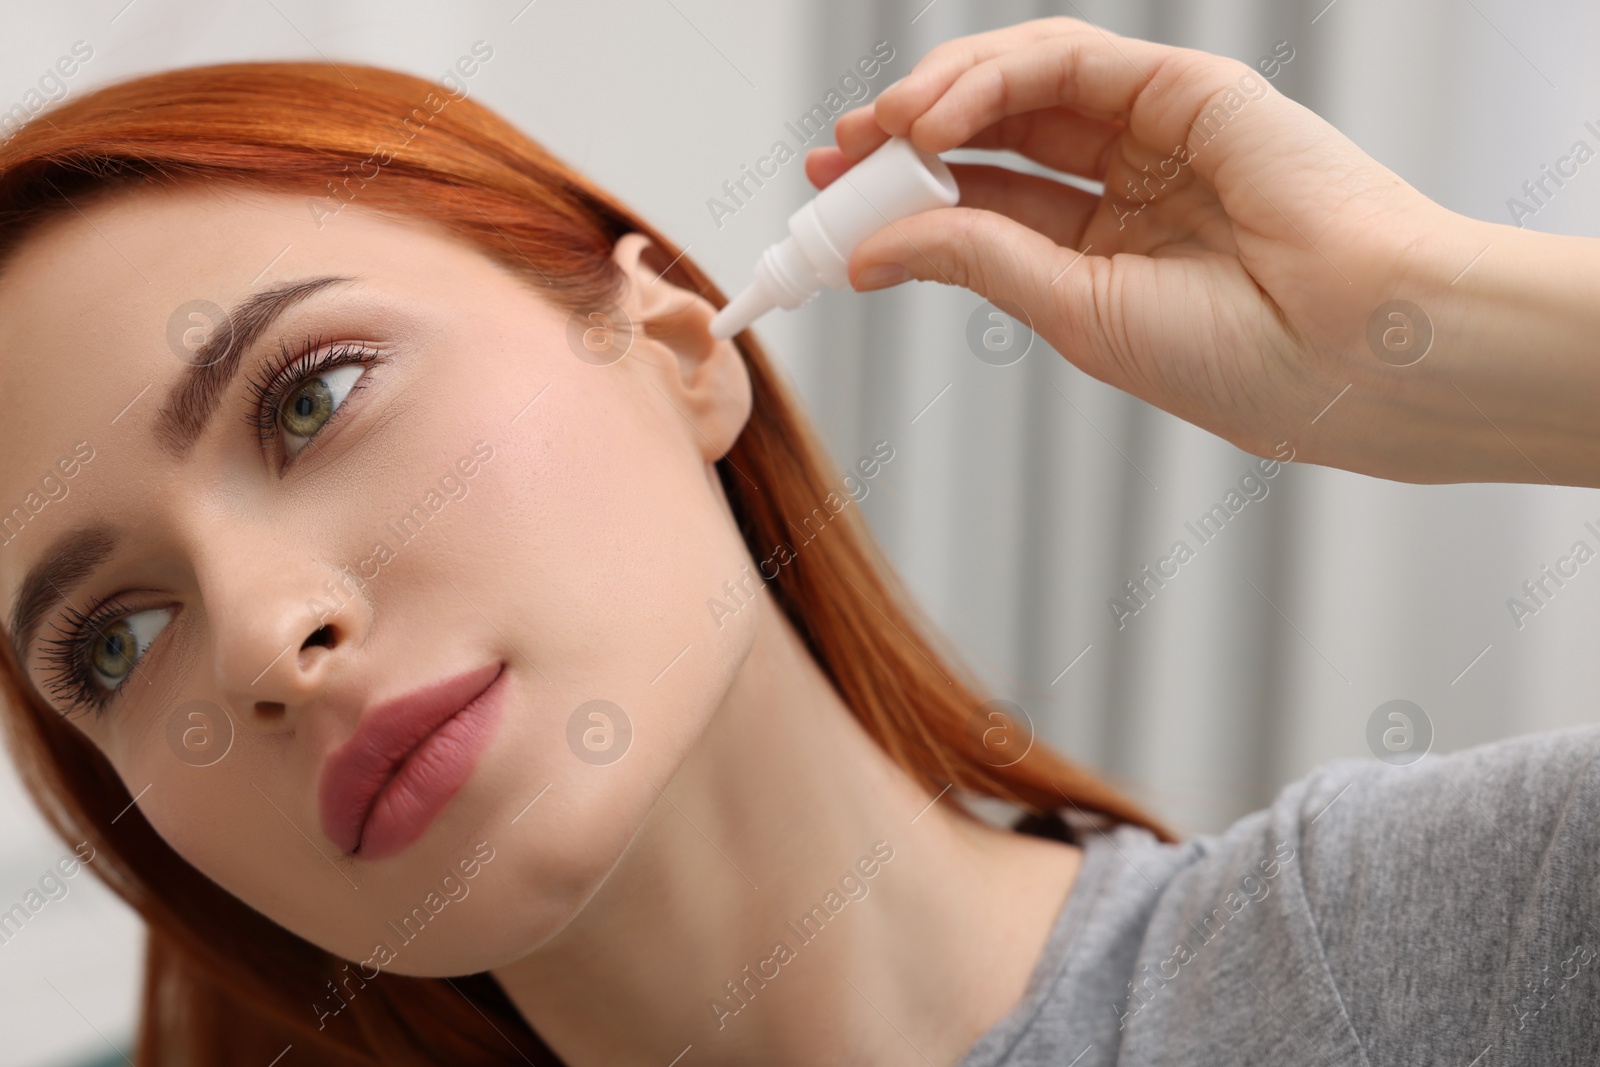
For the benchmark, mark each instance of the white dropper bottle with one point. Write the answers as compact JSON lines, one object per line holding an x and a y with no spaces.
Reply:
{"x":895,"y":180}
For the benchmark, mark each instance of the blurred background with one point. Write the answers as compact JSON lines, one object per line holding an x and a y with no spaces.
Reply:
{"x":1022,"y":494}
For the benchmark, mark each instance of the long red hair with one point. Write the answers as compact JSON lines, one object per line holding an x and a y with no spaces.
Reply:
{"x":224,"y":984}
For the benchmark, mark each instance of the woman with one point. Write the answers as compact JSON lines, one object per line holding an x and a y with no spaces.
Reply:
{"x":458,"y":656}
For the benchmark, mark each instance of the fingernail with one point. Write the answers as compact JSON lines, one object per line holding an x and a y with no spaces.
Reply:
{"x":880,"y":275}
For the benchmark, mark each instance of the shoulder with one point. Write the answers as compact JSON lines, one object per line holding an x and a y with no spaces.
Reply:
{"x":1454,"y":899}
{"x":1375,"y":915}
{"x":1495,"y":822}
{"x":1528,"y":782}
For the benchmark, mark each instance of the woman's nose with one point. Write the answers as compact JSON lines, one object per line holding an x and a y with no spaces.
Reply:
{"x":279,"y":634}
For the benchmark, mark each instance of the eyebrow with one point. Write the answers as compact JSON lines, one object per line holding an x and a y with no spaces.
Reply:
{"x":73,"y":556}
{"x":195,"y":396}
{"x":68,"y":562}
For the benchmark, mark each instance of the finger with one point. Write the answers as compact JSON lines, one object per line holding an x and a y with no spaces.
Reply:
{"x":857,"y":132}
{"x":1008,"y":264}
{"x":824,"y":165}
{"x":1084,"y":71}
{"x":1054,"y":209}
{"x":935,"y":72}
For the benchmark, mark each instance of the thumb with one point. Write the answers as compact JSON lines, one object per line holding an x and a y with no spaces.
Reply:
{"x":1001,"y":260}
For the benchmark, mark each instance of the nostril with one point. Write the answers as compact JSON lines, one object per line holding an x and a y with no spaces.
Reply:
{"x":323,"y":636}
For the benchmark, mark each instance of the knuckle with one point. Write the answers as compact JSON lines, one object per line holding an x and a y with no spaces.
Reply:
{"x":1192,"y":81}
{"x":1057,"y":25}
{"x":957,"y":53}
{"x":1209,"y":72}
{"x":992,"y":83}
{"x":1233,"y":69}
{"x":957,"y":252}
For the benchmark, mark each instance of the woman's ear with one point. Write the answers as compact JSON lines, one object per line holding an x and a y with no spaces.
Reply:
{"x":703,"y":377}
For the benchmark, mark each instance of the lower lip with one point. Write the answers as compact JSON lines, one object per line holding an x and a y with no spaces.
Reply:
{"x":431,"y":775}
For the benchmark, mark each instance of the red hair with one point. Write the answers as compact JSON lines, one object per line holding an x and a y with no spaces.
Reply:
{"x":224,"y":984}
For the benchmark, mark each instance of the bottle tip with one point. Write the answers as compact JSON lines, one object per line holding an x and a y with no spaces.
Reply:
{"x":741,"y":311}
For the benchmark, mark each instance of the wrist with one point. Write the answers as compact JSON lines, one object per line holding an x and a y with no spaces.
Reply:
{"x":1508,"y":387}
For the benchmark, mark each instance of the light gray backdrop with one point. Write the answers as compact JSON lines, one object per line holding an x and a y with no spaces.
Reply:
{"x":1020,"y":498}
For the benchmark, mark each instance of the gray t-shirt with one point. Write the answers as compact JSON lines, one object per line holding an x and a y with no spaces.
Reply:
{"x":1446,"y":912}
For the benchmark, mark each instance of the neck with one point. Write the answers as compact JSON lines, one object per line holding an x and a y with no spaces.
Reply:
{"x":794,"y":897}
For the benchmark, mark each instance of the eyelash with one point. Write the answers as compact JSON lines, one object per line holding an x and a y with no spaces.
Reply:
{"x":289,"y":369}
{"x":67,"y":654}
{"x":70,"y":679}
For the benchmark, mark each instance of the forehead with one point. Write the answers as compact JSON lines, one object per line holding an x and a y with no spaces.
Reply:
{"x":94,"y":307}
{"x":124,"y":262}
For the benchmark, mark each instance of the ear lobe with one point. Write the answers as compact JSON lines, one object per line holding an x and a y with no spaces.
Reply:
{"x":712,"y":385}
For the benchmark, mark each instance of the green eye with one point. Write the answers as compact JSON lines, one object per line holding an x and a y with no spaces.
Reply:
{"x":115,"y":650}
{"x":309,"y":405}
{"x":297,"y":396}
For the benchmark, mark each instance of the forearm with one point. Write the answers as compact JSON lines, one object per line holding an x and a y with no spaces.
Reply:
{"x":1510,"y":389}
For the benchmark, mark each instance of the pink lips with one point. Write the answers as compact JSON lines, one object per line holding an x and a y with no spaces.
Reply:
{"x":383,"y":788}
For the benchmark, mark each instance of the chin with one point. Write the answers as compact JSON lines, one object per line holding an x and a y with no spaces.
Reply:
{"x":524,"y":908}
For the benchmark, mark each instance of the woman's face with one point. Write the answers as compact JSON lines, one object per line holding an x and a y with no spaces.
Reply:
{"x":473,"y":484}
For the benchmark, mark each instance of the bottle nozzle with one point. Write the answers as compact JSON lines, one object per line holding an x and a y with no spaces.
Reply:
{"x":742,"y":310}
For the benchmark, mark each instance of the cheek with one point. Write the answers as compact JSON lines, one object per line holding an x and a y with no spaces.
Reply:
{"x":241,"y":824}
{"x":595,"y":544}
{"x":235,"y":822}
{"x":604,"y":519}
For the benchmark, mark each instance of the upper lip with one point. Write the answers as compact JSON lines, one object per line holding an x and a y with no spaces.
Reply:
{"x":355,"y":773}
